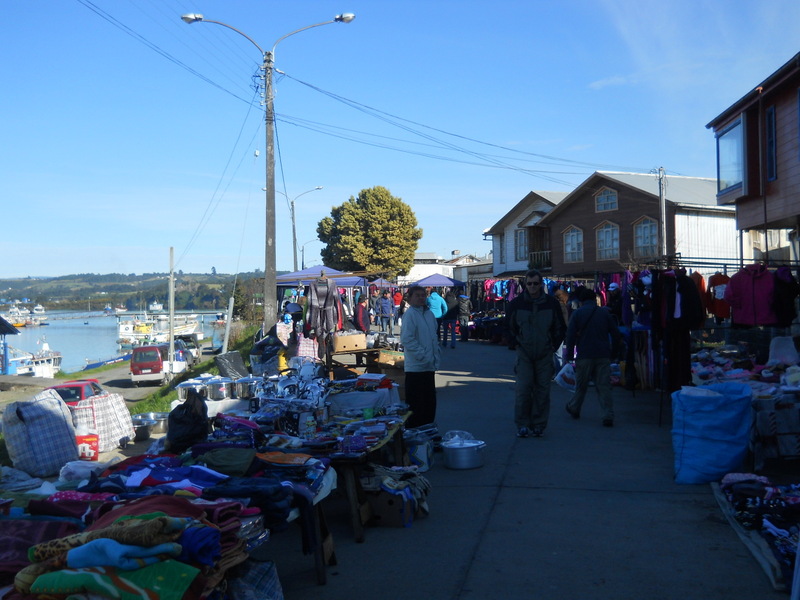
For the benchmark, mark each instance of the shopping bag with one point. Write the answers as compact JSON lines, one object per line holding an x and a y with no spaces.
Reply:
{"x":566,"y":377}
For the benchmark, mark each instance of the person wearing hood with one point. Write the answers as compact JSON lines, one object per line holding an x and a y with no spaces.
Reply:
{"x":438,"y":307}
{"x":422,"y":355}
{"x":594,"y":334}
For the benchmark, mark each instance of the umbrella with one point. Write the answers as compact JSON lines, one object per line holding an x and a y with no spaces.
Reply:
{"x":439,"y":280}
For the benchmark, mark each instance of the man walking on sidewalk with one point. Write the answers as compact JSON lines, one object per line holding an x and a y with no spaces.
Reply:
{"x":535,"y":326}
{"x":593,"y":331}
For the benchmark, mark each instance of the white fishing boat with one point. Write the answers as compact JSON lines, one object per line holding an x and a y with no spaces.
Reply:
{"x":146,"y":329}
{"x":43,"y":363}
{"x":38,"y":310}
{"x":155,"y":306}
{"x":119,"y":309}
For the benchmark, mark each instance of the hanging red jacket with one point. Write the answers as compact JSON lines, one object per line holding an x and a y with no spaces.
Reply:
{"x":750,"y":294}
{"x":717,"y":305}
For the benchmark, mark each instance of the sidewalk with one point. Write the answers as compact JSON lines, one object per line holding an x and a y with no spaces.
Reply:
{"x":583,"y":513}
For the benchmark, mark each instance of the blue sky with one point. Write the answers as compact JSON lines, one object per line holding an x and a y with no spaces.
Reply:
{"x":126,"y":131}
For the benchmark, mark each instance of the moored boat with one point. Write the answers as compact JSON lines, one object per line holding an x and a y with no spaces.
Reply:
{"x":43,"y":363}
{"x":154,"y":329}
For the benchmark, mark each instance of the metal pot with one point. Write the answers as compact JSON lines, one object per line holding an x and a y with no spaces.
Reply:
{"x":248,"y":387}
{"x":463,"y":454}
{"x":159,"y":419}
{"x":219,"y":388}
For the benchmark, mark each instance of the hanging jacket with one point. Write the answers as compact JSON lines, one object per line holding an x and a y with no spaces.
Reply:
{"x":786,"y":290}
{"x":750,"y":293}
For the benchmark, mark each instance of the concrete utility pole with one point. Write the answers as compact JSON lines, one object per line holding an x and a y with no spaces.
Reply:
{"x":268,"y":66}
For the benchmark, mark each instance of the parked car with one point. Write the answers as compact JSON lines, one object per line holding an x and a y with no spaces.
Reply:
{"x":150,"y":363}
{"x":191,"y":345}
{"x":74,"y":391}
{"x":183,"y":352}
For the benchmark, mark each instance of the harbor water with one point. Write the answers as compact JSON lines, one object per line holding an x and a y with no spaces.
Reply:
{"x":82,"y":337}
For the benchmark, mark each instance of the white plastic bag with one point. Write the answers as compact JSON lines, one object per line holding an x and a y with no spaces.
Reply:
{"x":566,"y":377}
{"x":782,"y":351}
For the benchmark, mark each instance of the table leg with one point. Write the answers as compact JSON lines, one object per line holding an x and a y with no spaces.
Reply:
{"x":324,"y":553}
{"x":351,"y":490}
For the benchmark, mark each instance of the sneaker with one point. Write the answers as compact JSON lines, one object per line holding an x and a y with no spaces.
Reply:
{"x":538,"y":431}
{"x":573,"y":413}
{"x":523,"y":432}
{"x":608,"y":422}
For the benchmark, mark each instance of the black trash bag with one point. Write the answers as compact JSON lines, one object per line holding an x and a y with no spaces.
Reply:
{"x":187,"y":424}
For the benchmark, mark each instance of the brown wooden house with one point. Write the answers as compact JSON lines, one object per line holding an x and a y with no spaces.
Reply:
{"x":758,"y":153}
{"x":612,"y":222}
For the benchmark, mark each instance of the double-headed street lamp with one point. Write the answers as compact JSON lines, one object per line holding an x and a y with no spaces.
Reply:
{"x":270,"y":262}
{"x":294,"y":223}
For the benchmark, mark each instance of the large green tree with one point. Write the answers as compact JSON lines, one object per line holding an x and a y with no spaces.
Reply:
{"x":373,"y":232}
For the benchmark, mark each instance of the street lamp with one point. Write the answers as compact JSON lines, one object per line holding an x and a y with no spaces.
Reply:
{"x":270,"y":284}
{"x":294,"y":228}
{"x":303,"y":250}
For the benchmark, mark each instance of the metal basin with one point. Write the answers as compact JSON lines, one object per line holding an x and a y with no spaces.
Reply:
{"x":142,"y":428}
{"x":160,"y":420}
{"x":463,"y":454}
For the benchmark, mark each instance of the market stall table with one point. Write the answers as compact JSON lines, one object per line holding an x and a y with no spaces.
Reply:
{"x":349,"y":467}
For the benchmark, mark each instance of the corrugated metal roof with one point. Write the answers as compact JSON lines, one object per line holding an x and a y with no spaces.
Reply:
{"x":688,"y":190}
{"x":7,"y":328}
{"x":531,"y":200}
{"x":692,"y":190}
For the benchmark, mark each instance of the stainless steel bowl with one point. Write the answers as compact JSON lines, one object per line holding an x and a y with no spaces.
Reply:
{"x":142,"y":428}
{"x":160,"y":420}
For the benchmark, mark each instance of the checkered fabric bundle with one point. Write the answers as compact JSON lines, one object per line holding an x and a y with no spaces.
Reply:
{"x":39,"y":434}
{"x":108,"y":416}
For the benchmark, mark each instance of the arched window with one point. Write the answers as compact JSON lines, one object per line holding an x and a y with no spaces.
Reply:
{"x":645,"y":238}
{"x":607,"y":241}
{"x":573,"y":245}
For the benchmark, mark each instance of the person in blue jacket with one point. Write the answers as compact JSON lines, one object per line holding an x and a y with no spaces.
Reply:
{"x":384,"y":313}
{"x":438,"y":308}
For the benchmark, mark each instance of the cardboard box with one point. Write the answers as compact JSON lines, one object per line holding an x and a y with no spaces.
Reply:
{"x":348,"y":343}
{"x":399,"y":377}
{"x":391,"y":510}
{"x":391,"y":358}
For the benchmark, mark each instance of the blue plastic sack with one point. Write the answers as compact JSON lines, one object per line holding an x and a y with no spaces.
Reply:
{"x":710,"y":431}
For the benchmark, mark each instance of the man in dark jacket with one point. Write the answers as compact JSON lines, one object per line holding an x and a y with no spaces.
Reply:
{"x":535,"y":326}
{"x":464,"y":315}
{"x":593,"y":331}
{"x":450,"y":319}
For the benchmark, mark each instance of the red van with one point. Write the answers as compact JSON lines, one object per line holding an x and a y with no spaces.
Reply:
{"x":151,"y":363}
